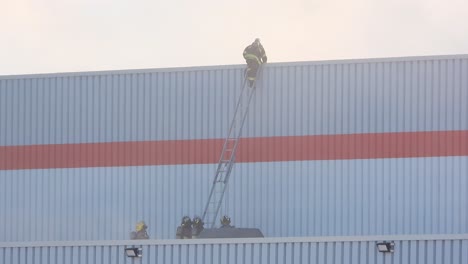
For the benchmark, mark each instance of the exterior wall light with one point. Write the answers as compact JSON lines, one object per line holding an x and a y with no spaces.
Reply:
{"x":386,"y":247}
{"x":134,"y":252}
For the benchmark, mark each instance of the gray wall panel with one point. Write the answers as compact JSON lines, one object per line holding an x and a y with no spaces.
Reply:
{"x":308,"y":198}
{"x":288,"y":250}
{"x":366,"y":96}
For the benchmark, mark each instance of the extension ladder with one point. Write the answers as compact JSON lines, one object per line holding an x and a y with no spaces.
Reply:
{"x":228,"y":155}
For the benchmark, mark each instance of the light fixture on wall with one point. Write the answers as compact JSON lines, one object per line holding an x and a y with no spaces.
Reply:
{"x":134,"y":252}
{"x":386,"y":247}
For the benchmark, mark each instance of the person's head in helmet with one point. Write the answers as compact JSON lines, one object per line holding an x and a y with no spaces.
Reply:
{"x":197,"y":226}
{"x":186,"y":222}
{"x":141,"y":226}
{"x":140,"y":231}
{"x":197,"y":221}
{"x":225,"y":221}
{"x":257,"y":42}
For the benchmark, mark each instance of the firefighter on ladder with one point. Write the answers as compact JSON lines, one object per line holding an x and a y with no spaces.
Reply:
{"x":254,"y":55}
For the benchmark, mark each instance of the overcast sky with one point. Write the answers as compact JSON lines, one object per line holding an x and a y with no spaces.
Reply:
{"x":41,"y":36}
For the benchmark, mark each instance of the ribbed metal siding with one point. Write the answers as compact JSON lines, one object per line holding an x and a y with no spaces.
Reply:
{"x":424,"y":94}
{"x":308,"y":198}
{"x":363,"y":97}
{"x":283,"y":199}
{"x":118,"y":107}
{"x":453,"y":251}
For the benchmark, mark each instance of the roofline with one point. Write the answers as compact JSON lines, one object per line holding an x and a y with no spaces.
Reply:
{"x":218,"y":241}
{"x":233,"y":66}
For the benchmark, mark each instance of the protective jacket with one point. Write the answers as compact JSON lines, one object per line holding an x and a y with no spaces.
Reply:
{"x":254,"y":52}
{"x":185,"y":228}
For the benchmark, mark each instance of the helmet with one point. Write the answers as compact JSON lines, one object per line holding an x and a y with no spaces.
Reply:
{"x":186,"y":221}
{"x":197,"y":221}
{"x":225,"y":221}
{"x":257,"y":42}
{"x":140,"y":226}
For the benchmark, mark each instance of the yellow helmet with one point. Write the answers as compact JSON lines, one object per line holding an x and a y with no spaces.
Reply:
{"x":140,"y":226}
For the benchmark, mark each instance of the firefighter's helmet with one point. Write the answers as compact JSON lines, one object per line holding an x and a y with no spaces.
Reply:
{"x":257,"y":42}
{"x":140,"y":226}
{"x":225,"y":221}
{"x":197,"y":221}
{"x":186,"y":221}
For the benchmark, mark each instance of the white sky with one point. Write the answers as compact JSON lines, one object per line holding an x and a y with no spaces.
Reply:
{"x":38,"y":36}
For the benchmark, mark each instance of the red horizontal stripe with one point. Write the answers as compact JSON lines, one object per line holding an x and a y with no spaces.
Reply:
{"x":265,"y":149}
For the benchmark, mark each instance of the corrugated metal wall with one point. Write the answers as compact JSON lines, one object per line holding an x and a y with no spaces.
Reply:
{"x":343,"y":97}
{"x":286,"y":197}
{"x":308,"y":198}
{"x":350,"y":250}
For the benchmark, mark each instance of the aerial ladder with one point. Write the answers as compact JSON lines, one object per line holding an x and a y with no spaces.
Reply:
{"x":228,"y":154}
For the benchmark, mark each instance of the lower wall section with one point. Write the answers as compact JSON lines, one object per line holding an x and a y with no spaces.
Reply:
{"x":282,"y":199}
{"x":441,"y":249}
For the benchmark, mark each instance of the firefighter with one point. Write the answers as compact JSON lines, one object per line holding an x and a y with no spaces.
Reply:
{"x":226,"y":222}
{"x":184,"y":231}
{"x":197,"y":226}
{"x":140,"y":231}
{"x":254,"y":55}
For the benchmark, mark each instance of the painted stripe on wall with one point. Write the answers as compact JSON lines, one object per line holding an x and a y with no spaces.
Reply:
{"x":265,"y":149}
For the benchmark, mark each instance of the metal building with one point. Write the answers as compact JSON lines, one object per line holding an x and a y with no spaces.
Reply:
{"x":428,"y":249}
{"x":332,"y":148}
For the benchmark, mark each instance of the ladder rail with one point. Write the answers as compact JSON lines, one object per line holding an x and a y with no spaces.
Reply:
{"x":240,"y":132}
{"x":226,"y":164}
{"x":228,"y":173}
{"x":220,"y":163}
{"x":237,"y":109}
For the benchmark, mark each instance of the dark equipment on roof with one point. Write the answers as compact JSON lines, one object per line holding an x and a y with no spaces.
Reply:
{"x":230,"y":233}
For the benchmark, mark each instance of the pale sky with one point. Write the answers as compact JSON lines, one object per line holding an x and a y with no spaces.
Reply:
{"x":43,"y":36}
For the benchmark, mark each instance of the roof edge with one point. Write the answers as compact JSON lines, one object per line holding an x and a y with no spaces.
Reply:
{"x":219,"y":241}
{"x":232,"y":66}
